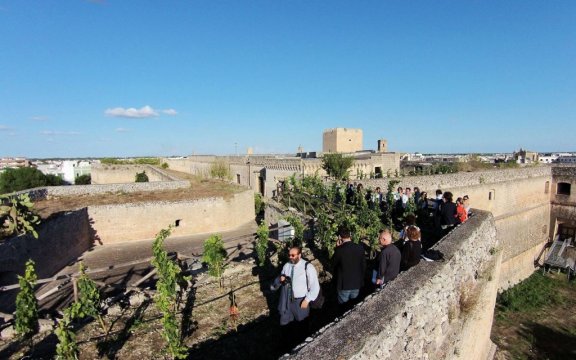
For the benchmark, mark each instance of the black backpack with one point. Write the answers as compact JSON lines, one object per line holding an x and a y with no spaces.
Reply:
{"x":319,"y":301}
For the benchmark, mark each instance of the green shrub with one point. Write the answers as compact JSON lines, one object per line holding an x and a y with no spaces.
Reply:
{"x":298,"y":226}
{"x":83,"y":179}
{"x":220,"y":169}
{"x":259,"y":203}
{"x":337,"y":165}
{"x":12,"y":180}
{"x":142,"y":177}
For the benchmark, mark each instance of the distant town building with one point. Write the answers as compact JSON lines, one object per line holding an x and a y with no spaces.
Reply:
{"x":525,"y":157}
{"x":342,"y":140}
{"x":412,"y":157}
{"x":68,"y":170}
{"x":50,"y":168}
{"x":74,"y":168}
{"x":548,"y":158}
{"x":11,"y":162}
{"x":567,"y":159}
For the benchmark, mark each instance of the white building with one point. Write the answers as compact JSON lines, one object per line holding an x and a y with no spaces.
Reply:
{"x":68,"y":170}
{"x":566,"y":159}
{"x":74,"y":168}
{"x":547,"y":158}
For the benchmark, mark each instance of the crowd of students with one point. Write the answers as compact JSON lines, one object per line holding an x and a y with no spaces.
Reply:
{"x":444,"y":211}
{"x":411,"y":211}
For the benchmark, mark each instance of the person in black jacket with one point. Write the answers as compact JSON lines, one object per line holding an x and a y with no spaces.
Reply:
{"x":349,"y":265}
{"x":448,"y":213}
{"x":411,"y":249}
{"x":388,"y":260}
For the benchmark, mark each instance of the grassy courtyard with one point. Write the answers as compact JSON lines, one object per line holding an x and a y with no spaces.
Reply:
{"x":536,"y":319}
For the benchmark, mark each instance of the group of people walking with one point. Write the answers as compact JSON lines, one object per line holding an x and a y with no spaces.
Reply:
{"x":298,"y":281}
{"x":300,"y":286}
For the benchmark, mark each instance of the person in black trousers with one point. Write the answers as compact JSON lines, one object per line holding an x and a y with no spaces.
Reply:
{"x":349,"y":264}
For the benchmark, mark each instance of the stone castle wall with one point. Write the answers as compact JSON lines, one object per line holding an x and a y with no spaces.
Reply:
{"x":563,"y":206}
{"x":54,"y":248}
{"x":77,"y":190}
{"x":435,"y":310}
{"x":263,"y":173}
{"x":130,"y":222}
{"x":60,"y":242}
{"x":115,"y":174}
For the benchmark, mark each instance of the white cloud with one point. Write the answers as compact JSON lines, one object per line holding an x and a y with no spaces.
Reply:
{"x":5,"y":128}
{"x":39,"y":118}
{"x":171,"y":112}
{"x":56,"y":133}
{"x":144,"y":112}
{"x":122,"y":130}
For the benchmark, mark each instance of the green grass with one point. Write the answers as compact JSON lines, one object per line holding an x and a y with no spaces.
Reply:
{"x":534,"y":319}
{"x":531,"y":294}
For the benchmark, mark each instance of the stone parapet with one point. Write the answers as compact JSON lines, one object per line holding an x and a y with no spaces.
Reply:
{"x":43,"y":193}
{"x":462,"y":179}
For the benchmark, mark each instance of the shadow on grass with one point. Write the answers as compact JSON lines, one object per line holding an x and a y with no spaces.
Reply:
{"x":548,"y":343}
{"x":259,"y":339}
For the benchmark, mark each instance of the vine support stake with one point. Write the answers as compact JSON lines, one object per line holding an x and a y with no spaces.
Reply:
{"x":75,"y":288}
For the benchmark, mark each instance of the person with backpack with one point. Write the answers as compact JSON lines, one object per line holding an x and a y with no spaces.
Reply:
{"x":300,"y":287}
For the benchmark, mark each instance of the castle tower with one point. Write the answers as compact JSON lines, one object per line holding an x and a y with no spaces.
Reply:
{"x":342,"y":140}
{"x":382,"y":146}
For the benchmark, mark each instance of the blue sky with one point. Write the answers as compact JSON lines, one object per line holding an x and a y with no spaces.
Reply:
{"x":83,"y":78}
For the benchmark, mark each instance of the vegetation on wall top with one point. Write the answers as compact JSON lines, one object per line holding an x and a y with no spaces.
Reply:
{"x":138,"y":161}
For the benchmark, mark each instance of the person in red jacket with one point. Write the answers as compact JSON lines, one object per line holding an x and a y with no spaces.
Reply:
{"x":461,"y":212}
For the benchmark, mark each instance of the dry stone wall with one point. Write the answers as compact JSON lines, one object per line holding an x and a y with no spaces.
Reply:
{"x":425,"y":313}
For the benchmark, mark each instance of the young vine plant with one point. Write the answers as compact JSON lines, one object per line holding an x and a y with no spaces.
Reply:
{"x":88,"y":303}
{"x":214,"y":256}
{"x":262,"y":242}
{"x":166,"y":299}
{"x":26,"y":303}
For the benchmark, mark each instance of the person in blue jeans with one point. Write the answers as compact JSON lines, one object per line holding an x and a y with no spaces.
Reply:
{"x":349,"y":263}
